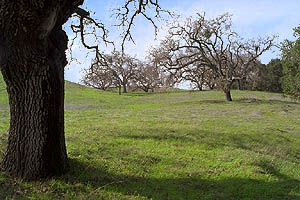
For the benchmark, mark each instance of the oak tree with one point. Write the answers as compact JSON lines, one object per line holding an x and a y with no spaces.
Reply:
{"x":116,"y":69}
{"x":98,"y":78}
{"x":149,"y":76}
{"x":211,"y":43}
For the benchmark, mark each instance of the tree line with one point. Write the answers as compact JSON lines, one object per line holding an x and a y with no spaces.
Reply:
{"x":209,"y":55}
{"x":119,"y":70}
{"x":205,"y":52}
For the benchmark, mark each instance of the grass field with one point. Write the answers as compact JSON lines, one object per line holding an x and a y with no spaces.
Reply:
{"x":179,"y":145}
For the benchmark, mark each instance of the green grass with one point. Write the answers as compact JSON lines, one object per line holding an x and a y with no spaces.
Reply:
{"x":178,"y":145}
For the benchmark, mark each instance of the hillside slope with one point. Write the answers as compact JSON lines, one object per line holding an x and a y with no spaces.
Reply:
{"x":184,"y":145}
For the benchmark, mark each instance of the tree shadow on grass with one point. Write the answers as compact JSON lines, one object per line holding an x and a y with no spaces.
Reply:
{"x":185,"y":187}
{"x":101,"y":181}
{"x":7,"y":191}
{"x":266,"y":142}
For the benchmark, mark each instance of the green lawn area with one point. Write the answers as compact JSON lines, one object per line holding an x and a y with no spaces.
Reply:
{"x":177,"y":145}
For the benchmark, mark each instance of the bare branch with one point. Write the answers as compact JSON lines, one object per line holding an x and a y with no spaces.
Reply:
{"x":193,"y":47}
{"x":131,"y":9}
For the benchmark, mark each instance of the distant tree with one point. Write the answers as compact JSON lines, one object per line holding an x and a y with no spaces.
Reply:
{"x":211,"y":44}
{"x":263,"y":77}
{"x":290,"y":55}
{"x":98,"y":78}
{"x":274,"y":74}
{"x":167,"y":78}
{"x":255,"y":80}
{"x":148,"y":76}
{"x":112,"y":69}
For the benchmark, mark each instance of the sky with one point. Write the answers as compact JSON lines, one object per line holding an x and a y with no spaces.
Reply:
{"x":251,"y":19}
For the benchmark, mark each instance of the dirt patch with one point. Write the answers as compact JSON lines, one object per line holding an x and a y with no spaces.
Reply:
{"x":8,"y":191}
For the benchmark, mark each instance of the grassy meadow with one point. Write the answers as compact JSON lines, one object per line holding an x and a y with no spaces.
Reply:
{"x":177,"y":145}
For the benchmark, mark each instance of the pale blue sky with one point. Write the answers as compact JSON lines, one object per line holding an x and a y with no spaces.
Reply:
{"x":251,"y":18}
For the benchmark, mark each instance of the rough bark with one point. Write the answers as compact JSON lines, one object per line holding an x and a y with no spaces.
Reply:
{"x":32,"y":60}
{"x":36,"y":146}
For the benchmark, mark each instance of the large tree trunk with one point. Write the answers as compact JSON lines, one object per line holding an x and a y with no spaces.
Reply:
{"x":32,"y":60}
{"x":35,"y":85}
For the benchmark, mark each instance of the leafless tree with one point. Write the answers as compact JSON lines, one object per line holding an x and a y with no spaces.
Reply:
{"x":210,"y":44}
{"x":113,"y":69}
{"x":150,"y":76}
{"x":98,"y":78}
